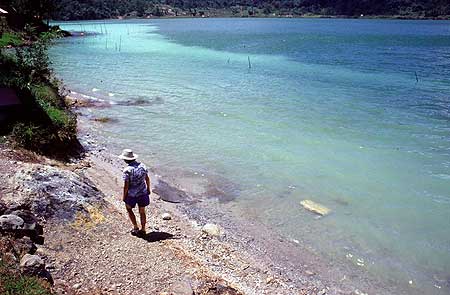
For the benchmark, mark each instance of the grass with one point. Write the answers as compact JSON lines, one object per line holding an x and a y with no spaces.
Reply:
{"x":15,"y":284}
{"x":52,"y":104}
{"x":46,"y":95}
{"x":12,"y":39}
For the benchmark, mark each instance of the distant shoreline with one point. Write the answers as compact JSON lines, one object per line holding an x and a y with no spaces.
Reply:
{"x":312,"y":16}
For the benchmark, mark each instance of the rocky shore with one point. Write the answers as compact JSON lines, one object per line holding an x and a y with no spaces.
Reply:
{"x":88,"y":248}
{"x":192,"y":246}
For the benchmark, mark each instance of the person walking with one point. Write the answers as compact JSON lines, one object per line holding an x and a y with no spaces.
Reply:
{"x":136,"y":189}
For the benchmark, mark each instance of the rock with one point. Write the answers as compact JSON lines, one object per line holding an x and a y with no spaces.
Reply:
{"x":309,"y":273}
{"x":170,"y":193}
{"x":32,"y":264}
{"x":2,"y":208}
{"x":270,"y":280}
{"x":77,"y":286}
{"x":315,"y":207}
{"x":9,"y":258}
{"x":213,"y":288}
{"x":10,"y":222}
{"x":30,"y":227}
{"x":52,"y":192}
{"x":24,"y":246}
{"x":212,"y":230}
{"x":182,"y":288}
{"x":166,"y":216}
{"x":28,"y":217}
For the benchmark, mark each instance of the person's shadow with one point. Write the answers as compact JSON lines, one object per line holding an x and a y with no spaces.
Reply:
{"x":156,"y":236}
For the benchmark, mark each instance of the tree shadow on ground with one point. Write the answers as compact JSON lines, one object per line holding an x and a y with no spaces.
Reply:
{"x":156,"y":236}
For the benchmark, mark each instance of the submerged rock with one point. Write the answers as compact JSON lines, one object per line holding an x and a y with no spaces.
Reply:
{"x":315,"y":207}
{"x":170,"y":193}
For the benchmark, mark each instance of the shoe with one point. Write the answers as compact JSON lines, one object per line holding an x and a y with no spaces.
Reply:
{"x":135,"y":232}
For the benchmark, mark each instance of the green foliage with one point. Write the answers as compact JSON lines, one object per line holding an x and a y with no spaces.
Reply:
{"x":13,"y":39}
{"x":15,"y":284}
{"x":46,"y":125}
{"x":99,"y":9}
{"x":52,"y":127}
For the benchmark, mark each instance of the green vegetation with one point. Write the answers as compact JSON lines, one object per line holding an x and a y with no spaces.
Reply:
{"x":10,"y":38}
{"x":13,"y":283}
{"x":99,"y":9}
{"x":45,"y":124}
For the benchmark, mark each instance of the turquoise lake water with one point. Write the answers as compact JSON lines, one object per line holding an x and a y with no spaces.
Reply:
{"x":353,"y":114}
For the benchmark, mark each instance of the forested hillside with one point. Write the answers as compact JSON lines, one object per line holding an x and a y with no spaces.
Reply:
{"x":98,"y":9}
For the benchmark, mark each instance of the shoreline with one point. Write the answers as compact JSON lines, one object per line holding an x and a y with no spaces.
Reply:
{"x":367,"y":17}
{"x":294,"y":260}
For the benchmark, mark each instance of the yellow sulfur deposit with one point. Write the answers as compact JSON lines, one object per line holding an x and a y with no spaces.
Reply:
{"x":315,"y":207}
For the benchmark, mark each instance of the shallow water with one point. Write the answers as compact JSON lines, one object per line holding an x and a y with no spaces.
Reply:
{"x":353,"y":114}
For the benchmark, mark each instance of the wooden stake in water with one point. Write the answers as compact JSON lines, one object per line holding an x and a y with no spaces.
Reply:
{"x":120,"y":43}
{"x":417,"y":78}
{"x":249,"y":63}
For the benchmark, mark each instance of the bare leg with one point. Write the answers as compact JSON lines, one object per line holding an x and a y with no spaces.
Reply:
{"x":132,"y":217}
{"x":143,"y":217}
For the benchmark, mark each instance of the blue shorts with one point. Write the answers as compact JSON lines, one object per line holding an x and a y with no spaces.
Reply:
{"x":141,"y":201}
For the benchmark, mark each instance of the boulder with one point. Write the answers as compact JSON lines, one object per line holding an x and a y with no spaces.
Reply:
{"x":10,"y":222}
{"x":212,"y":230}
{"x":32,"y":264}
{"x":51,"y":192}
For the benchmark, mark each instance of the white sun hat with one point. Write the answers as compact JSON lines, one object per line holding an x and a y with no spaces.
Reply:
{"x":128,"y":154}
